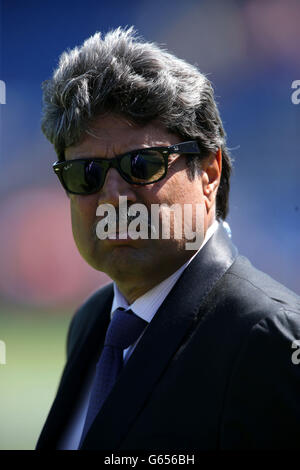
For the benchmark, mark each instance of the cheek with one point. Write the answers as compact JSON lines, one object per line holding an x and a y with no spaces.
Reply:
{"x":179,"y":189}
{"x":83,"y":214}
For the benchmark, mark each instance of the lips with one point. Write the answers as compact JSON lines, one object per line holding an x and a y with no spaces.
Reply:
{"x":118,"y":235}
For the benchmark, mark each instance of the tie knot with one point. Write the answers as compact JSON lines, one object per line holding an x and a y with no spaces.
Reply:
{"x":124,"y":329}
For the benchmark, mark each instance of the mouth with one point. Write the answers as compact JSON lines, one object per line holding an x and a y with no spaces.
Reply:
{"x":117,"y":241}
{"x":118,"y":236}
{"x":122,"y":233}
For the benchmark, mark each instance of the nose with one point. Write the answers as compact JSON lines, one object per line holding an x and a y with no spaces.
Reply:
{"x":115,"y":186}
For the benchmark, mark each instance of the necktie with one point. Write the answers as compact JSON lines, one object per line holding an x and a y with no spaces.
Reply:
{"x":124,"y":329}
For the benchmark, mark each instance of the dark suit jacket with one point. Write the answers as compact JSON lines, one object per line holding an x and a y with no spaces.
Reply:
{"x":213,"y":369}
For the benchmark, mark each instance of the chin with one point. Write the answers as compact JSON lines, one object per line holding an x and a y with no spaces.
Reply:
{"x":119,"y":258}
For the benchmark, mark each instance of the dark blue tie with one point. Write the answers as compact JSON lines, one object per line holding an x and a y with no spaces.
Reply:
{"x":124,"y":329}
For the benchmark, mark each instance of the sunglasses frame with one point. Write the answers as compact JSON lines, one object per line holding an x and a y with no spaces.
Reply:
{"x":190,"y":147}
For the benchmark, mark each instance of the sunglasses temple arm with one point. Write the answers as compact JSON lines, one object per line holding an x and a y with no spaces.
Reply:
{"x":186,"y":147}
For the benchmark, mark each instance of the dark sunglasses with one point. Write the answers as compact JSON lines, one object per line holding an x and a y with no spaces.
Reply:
{"x":143,"y":166}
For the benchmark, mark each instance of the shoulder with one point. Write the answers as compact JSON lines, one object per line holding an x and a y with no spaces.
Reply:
{"x":254,"y":287}
{"x":87,"y":314}
{"x":245,"y":295}
{"x":248,"y":310}
{"x":261,"y":302}
{"x":274,"y":307}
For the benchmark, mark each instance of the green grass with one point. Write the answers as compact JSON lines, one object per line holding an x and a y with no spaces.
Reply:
{"x":35,"y":356}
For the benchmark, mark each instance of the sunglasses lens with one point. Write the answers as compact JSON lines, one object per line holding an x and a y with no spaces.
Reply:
{"x":146,"y":166}
{"x":88,"y":176}
{"x":83,"y":177}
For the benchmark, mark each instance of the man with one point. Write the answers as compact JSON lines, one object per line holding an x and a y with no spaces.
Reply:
{"x":212,"y":365}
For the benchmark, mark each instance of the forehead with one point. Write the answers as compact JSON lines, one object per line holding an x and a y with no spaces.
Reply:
{"x":112,"y":135}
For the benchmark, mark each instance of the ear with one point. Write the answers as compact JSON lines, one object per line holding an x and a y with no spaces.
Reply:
{"x":211,"y":176}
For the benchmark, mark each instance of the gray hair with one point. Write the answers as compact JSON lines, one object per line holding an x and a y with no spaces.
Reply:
{"x":123,"y":75}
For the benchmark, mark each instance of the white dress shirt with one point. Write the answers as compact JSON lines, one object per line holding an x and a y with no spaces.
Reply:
{"x":145,"y":307}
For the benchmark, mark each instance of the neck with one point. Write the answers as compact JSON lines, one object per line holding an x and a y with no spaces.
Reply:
{"x":134,"y":287}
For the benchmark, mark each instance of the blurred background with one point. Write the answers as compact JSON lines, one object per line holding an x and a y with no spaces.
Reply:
{"x":250,"y":51}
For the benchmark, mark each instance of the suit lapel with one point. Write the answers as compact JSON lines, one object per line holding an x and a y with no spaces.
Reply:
{"x":168,"y":330}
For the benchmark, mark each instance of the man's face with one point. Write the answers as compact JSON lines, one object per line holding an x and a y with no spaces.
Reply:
{"x":129,"y":260}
